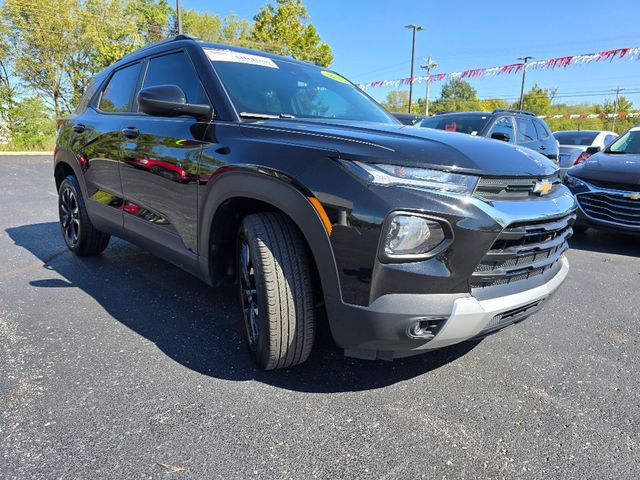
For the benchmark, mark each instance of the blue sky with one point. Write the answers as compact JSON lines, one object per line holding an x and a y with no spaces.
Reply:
{"x":369,"y":41}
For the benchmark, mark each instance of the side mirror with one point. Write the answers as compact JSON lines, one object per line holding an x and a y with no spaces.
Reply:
{"x":169,"y":101}
{"x":501,"y":136}
{"x":592,"y":150}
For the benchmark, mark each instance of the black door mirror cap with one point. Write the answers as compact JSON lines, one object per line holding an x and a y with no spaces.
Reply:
{"x":501,"y":136}
{"x":592,"y":150}
{"x":169,"y":101}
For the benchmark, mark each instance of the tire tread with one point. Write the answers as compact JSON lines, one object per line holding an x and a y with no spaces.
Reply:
{"x":286,"y":279}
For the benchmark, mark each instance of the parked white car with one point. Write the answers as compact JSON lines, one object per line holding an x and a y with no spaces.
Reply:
{"x":574,"y":144}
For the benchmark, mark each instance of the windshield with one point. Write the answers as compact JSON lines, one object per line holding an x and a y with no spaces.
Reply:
{"x":263,"y":87}
{"x":628,"y":143}
{"x":583,"y":139}
{"x":470,"y":124}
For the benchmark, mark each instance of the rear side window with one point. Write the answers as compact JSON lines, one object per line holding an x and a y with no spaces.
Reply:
{"x":175,"y":69}
{"x":463,"y":123}
{"x":116,"y":97}
{"x":526,"y":130}
{"x":584,"y":139}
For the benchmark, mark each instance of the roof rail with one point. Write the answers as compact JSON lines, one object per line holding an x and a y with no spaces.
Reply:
{"x":513,"y":110}
{"x":174,"y":38}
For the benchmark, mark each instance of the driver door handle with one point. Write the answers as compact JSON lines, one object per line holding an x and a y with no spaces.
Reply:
{"x":130,"y":132}
{"x":79,"y":127}
{"x":542,"y":147}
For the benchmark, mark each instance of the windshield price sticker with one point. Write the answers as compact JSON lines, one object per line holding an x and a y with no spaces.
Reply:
{"x":216,"y":55}
{"x":335,"y":76}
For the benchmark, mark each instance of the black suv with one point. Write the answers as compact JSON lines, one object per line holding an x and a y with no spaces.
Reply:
{"x":286,"y":179}
{"x":512,"y":126}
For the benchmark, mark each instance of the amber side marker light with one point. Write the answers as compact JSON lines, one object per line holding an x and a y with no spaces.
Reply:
{"x":323,"y":214}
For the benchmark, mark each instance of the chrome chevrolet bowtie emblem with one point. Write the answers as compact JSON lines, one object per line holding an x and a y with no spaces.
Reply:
{"x":634,"y":196}
{"x":542,"y":187}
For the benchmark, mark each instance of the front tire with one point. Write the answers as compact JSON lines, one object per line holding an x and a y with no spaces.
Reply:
{"x":276,"y":291}
{"x":79,"y":234}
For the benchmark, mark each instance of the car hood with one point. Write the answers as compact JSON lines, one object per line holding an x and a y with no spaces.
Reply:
{"x":406,"y":145}
{"x":616,"y":168}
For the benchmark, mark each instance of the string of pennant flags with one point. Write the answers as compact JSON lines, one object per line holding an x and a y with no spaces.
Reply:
{"x":550,"y":64}
{"x":591,"y":115}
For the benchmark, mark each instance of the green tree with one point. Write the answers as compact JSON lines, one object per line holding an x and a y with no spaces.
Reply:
{"x":397,"y":101}
{"x":536,"y":100}
{"x":231,"y":30}
{"x":456,"y":95}
{"x":59,"y":45}
{"x":205,"y":26}
{"x":621,"y":104}
{"x":33,"y":128}
{"x":283,"y":29}
{"x":490,"y":104}
{"x":236,"y":31}
{"x":459,"y":89}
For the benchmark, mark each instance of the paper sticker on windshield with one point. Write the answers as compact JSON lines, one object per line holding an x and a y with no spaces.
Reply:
{"x":335,"y":76}
{"x":216,"y":55}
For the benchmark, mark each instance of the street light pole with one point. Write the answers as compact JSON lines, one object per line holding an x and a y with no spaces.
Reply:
{"x":428,"y":66}
{"x":524,"y":61}
{"x":414,"y":28}
{"x":615,"y":108}
{"x":179,"y":16}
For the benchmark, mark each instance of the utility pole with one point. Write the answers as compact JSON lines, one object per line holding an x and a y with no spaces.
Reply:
{"x":616,"y":105}
{"x":524,"y":61}
{"x":179,"y":16}
{"x":414,"y":28}
{"x":428,"y":66}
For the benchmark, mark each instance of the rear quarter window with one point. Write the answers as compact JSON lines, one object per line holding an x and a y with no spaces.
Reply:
{"x":89,"y":93}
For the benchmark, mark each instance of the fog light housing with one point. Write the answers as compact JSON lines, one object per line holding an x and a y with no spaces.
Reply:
{"x":411,"y":235}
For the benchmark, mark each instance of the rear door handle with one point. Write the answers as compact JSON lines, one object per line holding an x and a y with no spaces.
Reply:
{"x":130,"y":132}
{"x":79,"y":127}
{"x":542,"y":147}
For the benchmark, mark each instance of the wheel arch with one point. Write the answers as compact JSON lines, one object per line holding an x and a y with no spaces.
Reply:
{"x":236,"y":194}
{"x":65,"y":164}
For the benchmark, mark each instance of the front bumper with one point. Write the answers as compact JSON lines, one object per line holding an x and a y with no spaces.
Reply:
{"x":380,"y":331}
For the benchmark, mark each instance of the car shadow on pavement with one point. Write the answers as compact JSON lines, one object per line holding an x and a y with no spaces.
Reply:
{"x":196,"y":325}
{"x":607,"y":241}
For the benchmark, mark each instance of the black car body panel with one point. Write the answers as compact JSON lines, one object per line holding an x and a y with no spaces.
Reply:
{"x":180,"y":186}
{"x":408,"y":146}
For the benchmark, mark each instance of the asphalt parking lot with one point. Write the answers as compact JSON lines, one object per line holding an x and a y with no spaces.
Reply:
{"x":123,"y":366}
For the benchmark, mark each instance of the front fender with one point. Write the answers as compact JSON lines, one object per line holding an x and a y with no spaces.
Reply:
{"x":284,"y":196}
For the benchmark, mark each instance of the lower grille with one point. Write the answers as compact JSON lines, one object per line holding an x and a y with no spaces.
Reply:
{"x":611,"y":207}
{"x":511,"y":316}
{"x":524,"y":250}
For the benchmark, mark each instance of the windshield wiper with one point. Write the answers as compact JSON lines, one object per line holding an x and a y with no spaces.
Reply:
{"x":264,"y":115}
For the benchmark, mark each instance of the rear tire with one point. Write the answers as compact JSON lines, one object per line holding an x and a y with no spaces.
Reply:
{"x":276,"y":291}
{"x":79,"y":234}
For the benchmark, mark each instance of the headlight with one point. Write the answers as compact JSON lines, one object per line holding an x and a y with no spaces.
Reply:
{"x":573,"y":182}
{"x":410,"y":235}
{"x":383,"y":174}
